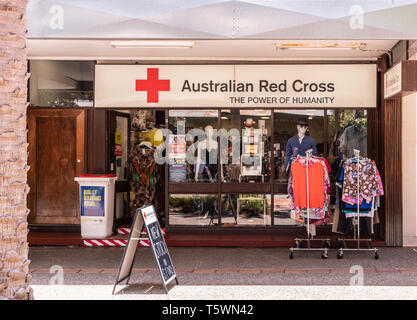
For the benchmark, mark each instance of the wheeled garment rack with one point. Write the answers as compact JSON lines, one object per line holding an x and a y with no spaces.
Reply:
{"x":298,"y":241}
{"x":356,"y":231}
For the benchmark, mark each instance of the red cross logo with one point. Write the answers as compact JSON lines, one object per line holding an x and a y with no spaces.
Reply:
{"x":152,"y":85}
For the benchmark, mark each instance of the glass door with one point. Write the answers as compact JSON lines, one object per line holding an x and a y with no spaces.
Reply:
{"x":118,"y":153}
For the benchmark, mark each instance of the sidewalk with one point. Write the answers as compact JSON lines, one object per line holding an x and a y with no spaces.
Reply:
{"x":226,"y":273}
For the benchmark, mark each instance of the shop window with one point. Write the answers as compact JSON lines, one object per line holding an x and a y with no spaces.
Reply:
{"x":282,"y":210}
{"x":193,"y":147}
{"x":246,"y":209}
{"x":61,"y":83}
{"x":347,"y":130}
{"x":245,"y":144}
{"x":193,"y":209}
{"x":285,"y":127}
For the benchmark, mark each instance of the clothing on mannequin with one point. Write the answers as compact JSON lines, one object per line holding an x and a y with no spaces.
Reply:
{"x":299,"y":144}
{"x":206,"y":165}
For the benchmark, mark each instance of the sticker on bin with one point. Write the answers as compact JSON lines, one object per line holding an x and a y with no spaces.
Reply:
{"x":92,"y":201}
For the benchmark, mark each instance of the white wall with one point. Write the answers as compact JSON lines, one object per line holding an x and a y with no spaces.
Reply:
{"x":409,"y":165}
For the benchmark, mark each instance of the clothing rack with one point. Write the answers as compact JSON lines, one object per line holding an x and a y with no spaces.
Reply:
{"x":356,"y":235}
{"x":298,"y":241}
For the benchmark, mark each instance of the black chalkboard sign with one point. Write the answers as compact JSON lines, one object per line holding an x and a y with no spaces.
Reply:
{"x":158,"y":244}
{"x":146,"y":217}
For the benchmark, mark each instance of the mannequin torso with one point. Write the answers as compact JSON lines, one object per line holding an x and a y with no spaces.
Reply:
{"x":299,"y":144}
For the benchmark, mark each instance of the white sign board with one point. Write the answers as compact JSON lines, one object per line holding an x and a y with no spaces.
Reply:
{"x":392,"y":81}
{"x":297,"y":86}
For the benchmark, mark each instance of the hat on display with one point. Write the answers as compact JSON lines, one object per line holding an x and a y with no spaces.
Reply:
{"x":249,"y":123}
{"x":302,"y":123}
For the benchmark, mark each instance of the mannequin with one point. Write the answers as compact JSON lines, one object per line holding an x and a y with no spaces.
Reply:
{"x":249,"y":123}
{"x":299,"y":144}
{"x":206,"y":164}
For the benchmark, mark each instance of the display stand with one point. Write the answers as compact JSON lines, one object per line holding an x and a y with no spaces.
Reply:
{"x":298,"y":241}
{"x":356,"y":235}
{"x":252,"y":147}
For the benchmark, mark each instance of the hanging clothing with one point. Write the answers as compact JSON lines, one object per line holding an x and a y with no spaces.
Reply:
{"x":370,"y":184}
{"x":318,"y":185}
{"x":348,"y":199}
{"x":146,"y":182}
{"x":315,"y":185}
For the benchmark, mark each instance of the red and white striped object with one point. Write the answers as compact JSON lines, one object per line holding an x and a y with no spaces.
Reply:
{"x":126,"y":230}
{"x":112,"y":243}
{"x":123,"y":230}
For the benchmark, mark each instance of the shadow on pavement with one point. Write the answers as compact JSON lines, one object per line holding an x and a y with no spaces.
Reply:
{"x":142,"y":288}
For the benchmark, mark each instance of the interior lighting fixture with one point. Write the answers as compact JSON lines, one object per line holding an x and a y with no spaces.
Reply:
{"x":151,"y":44}
{"x":319,"y":45}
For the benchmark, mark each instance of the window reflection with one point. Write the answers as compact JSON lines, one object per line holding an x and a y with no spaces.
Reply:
{"x":246,"y":209}
{"x":61,"y":83}
{"x":193,"y":146}
{"x":193,"y":209}
{"x":282,"y":210}
{"x":246,"y":159}
{"x":347,"y":130}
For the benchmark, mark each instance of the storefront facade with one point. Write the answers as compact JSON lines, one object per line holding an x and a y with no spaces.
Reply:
{"x":119,"y":108}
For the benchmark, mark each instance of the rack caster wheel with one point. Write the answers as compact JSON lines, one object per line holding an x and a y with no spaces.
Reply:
{"x":324,"y":255}
{"x":376,"y":255}
{"x":340,"y":255}
{"x":291,"y":255}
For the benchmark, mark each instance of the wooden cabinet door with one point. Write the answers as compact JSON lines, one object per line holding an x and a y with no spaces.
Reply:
{"x":56,"y":156}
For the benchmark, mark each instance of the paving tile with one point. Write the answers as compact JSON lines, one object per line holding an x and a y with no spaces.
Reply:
{"x":204,"y":270}
{"x":408,"y":271}
{"x":318,"y":270}
{"x":40,"y":271}
{"x":108,"y":271}
{"x":227,"y":270}
{"x":151,"y":270}
{"x":76,"y":270}
{"x":140,"y":270}
{"x":250,"y":271}
{"x":90,"y":271}
{"x":295,"y":271}
{"x":272,"y":270}
{"x":184,"y":270}
{"x":339,"y":271}
{"x":383,"y":270}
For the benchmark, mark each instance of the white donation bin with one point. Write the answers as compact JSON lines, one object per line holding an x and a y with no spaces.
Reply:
{"x":97,"y":205}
